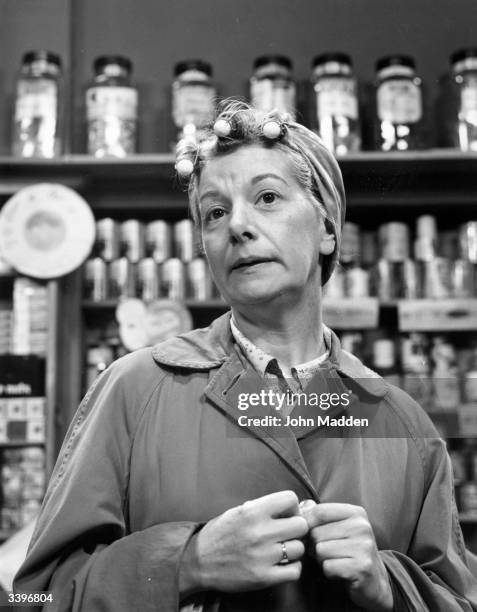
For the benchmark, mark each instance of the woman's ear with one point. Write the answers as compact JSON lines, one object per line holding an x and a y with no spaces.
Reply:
{"x":328,"y":244}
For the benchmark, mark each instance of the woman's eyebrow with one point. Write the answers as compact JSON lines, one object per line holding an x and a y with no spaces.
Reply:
{"x":211,"y":193}
{"x":260,"y":177}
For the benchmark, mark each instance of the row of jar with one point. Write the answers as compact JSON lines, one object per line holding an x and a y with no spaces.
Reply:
{"x":148,"y":280}
{"x":112,"y":102}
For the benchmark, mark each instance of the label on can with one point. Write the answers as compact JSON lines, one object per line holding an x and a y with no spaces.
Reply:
{"x":96,"y":280}
{"x":336,"y":97}
{"x":172,"y":279}
{"x":198,"y":280}
{"x":184,"y":248}
{"x":119,"y":102}
{"x":132,"y":240}
{"x":399,"y":101}
{"x":158,"y":241}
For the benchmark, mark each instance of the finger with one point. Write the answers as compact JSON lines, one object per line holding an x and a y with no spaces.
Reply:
{"x":340,"y":529}
{"x":280,"y":504}
{"x":307,"y":507}
{"x":336,"y":549}
{"x":295,"y":549}
{"x":290,"y":572}
{"x":332,"y":512}
{"x":340,"y":568}
{"x":291,"y":528}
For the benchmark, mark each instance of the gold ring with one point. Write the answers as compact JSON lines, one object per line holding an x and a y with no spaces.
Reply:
{"x":284,"y":560}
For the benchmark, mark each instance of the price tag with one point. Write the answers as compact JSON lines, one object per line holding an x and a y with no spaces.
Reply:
{"x":342,"y":313}
{"x":437,"y":315}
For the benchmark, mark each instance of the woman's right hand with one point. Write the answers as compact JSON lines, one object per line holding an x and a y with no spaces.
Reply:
{"x":241,"y":549}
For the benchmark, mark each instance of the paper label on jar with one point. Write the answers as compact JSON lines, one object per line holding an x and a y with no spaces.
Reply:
{"x":119,"y":102}
{"x":192,"y":104}
{"x":269,"y":94}
{"x":336,"y":97}
{"x":468,"y":100}
{"x":399,"y":101}
{"x":36,"y":98}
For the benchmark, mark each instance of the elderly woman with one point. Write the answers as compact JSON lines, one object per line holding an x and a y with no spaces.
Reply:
{"x":170,"y":492}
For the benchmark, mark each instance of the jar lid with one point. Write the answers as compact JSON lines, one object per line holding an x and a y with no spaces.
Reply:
{"x":462,"y":54}
{"x":106,"y":60}
{"x":339,"y":57}
{"x":281,"y":60}
{"x":193,"y":64}
{"x":395,"y":60}
{"x":39,"y":55}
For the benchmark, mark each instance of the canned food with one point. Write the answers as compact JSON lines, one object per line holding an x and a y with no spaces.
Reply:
{"x":394,"y":241}
{"x":468,"y":241}
{"x":147,"y":280}
{"x":410,"y":280}
{"x":437,"y":278}
{"x":199,"y":281}
{"x":350,"y":248}
{"x":107,"y":239}
{"x":132,"y":240}
{"x":184,"y":240}
{"x":357,"y":282}
{"x":158,"y":241}
{"x":122,"y":278}
{"x":462,"y":278}
{"x":172,"y":279}
{"x":96,"y":280}
{"x":384,"y":283}
{"x":468,"y":497}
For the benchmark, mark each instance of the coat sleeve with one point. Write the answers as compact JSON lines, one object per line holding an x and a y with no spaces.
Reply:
{"x":434,"y":575}
{"x":82,"y":551}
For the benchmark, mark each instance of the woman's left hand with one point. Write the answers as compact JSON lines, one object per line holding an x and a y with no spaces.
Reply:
{"x":343,"y":542}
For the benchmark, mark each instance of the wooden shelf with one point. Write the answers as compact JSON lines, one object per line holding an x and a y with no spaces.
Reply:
{"x":20,"y":444}
{"x":468,"y":518}
{"x":193,"y":304}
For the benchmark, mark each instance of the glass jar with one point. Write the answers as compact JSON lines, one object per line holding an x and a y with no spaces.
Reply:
{"x":336,"y":102}
{"x":399,"y":104}
{"x":111,"y":108}
{"x":464,"y":76}
{"x":36,"y":121}
{"x":272,"y":86}
{"x":193,"y":97}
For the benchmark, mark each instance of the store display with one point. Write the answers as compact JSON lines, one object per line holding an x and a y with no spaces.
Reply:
{"x":399,"y":104}
{"x":193,"y":97}
{"x":272,"y":85}
{"x":30,"y":317}
{"x":46,"y":230}
{"x":159,"y":240}
{"x":336,"y":102}
{"x":112,"y":108}
{"x":464,"y":78}
{"x":148,"y":288}
{"x":106,"y":244}
{"x":184,"y":240}
{"x":37,"y":111}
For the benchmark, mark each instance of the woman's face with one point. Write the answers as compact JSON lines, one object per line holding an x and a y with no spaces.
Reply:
{"x":261,"y":232}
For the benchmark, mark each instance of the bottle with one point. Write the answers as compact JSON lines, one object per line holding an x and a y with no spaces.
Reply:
{"x":464,"y":79}
{"x":356,"y":278}
{"x":384,"y":360}
{"x":111,"y":108}
{"x":37,"y":113}
{"x":416,"y":368}
{"x":336,"y":102}
{"x":399,"y":104}
{"x":272,"y":85}
{"x":445,"y":375}
{"x":193,"y":97}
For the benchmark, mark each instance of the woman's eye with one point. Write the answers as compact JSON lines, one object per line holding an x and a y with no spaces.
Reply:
{"x":214,"y":214}
{"x":269,"y":197}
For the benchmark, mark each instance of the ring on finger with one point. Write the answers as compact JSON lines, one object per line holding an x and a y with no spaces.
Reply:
{"x":284,"y":560}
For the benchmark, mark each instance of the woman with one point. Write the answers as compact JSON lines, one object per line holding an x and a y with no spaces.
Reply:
{"x":164,"y":496}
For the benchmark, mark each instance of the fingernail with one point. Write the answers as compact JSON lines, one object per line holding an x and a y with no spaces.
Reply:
{"x":307,"y":504}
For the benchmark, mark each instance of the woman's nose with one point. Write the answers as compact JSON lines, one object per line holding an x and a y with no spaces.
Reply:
{"x":241,"y":225}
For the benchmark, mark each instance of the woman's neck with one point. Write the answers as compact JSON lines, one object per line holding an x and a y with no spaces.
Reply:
{"x":292,"y":335}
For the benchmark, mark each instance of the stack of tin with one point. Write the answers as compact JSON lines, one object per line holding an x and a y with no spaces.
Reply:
{"x":146,"y":260}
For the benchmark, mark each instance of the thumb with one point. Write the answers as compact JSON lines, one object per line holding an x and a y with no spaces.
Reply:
{"x":306,"y":511}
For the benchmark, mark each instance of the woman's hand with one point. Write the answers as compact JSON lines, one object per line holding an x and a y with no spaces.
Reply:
{"x":241,"y":549}
{"x":343,"y":542}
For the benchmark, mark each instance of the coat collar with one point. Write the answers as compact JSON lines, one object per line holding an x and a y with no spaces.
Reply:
{"x":210,"y":347}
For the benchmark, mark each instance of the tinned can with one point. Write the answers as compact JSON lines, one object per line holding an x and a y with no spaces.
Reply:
{"x":410,"y":280}
{"x":173,"y":279}
{"x":468,"y":241}
{"x":383,"y":280}
{"x":147,"y":280}
{"x":437,"y":278}
{"x":462,"y":278}
{"x":357,"y":282}
{"x":158,"y":240}
{"x":183,"y":235}
{"x":122,"y":278}
{"x":107,"y":239}
{"x":394,"y":241}
{"x":199,"y":282}
{"x":468,"y":497}
{"x":132,"y":240}
{"x":96,"y":280}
